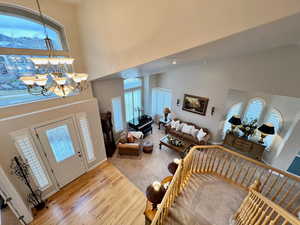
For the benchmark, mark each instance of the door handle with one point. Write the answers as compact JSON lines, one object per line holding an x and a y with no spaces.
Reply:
{"x":79,"y":154}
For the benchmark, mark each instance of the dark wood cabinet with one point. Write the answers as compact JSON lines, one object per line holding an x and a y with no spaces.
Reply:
{"x":108,"y":135}
{"x":244,"y":146}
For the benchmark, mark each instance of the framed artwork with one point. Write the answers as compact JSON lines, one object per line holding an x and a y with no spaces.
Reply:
{"x":195,"y":104}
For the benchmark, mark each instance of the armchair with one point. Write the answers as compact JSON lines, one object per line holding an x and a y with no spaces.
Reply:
{"x":129,"y":147}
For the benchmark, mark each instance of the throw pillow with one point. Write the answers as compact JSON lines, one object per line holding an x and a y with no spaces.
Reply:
{"x":123,"y":137}
{"x":201,"y":134}
{"x":177,"y":125}
{"x":180,"y":126}
{"x":186,"y":129}
{"x":173,"y":124}
{"x":194,"y":131}
{"x":130,"y":138}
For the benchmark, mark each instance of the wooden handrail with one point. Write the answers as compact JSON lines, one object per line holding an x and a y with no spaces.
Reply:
{"x":257,"y":209}
{"x":179,"y":180}
{"x":281,"y":188}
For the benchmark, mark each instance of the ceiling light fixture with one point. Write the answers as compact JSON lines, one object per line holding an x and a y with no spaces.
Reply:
{"x":57,"y":78}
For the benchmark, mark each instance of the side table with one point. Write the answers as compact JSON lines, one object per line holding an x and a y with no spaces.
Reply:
{"x":163,"y":122}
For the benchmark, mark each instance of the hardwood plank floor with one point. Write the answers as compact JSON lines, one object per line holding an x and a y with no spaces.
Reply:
{"x":102,"y":196}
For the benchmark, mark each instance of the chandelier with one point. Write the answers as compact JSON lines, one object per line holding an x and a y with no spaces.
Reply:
{"x":58,"y":76}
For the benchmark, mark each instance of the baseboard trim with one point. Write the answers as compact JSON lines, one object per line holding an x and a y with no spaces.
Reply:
{"x":49,"y":194}
{"x":97,"y":164}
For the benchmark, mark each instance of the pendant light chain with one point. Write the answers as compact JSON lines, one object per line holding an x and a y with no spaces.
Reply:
{"x":42,"y":18}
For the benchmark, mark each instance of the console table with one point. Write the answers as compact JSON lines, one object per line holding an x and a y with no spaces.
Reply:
{"x":144,"y":124}
{"x":244,"y":146}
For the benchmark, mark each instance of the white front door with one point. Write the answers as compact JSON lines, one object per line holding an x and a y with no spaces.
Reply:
{"x":62,"y":148}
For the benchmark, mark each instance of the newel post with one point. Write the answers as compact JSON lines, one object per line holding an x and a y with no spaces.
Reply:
{"x":255,"y":186}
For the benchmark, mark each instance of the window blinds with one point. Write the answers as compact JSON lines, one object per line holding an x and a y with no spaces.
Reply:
{"x":117,"y":114}
{"x":161,"y":98}
{"x":26,"y":148}
{"x":86,"y":135}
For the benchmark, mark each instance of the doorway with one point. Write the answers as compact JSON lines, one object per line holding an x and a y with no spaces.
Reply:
{"x":61,"y":146}
{"x":7,"y":216}
{"x":295,"y":166}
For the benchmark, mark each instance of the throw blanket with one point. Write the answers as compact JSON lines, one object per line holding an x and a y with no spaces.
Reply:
{"x":137,"y":134}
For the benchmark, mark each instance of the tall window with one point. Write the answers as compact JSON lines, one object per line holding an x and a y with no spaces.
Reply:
{"x":86,"y":136}
{"x":133,"y":97}
{"x":21,"y":37}
{"x":161,"y":98}
{"x":254,"y":110}
{"x":234,"y":110}
{"x":117,"y":114}
{"x":274,"y":117}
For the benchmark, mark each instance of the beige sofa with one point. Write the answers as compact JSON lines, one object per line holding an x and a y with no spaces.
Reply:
{"x":188,"y":137}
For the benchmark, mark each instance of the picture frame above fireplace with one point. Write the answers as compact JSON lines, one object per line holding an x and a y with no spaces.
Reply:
{"x":195,"y":104}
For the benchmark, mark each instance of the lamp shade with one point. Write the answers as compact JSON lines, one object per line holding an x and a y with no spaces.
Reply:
{"x":267,"y":128}
{"x":167,"y":110}
{"x":235,"y":120}
{"x":155,"y":192}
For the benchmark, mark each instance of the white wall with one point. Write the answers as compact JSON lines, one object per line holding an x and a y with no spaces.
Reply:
{"x":118,"y":35}
{"x":291,"y":147}
{"x":274,"y":72}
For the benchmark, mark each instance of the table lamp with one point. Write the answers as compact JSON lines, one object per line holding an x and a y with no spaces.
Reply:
{"x":235,"y":121}
{"x":266,"y":129}
{"x":166,"y":113}
{"x":155,"y":193}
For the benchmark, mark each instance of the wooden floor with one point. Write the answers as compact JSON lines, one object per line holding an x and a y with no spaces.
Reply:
{"x":102,"y":196}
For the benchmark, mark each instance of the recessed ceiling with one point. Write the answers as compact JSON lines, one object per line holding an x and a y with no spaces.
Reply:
{"x":280,"y":33}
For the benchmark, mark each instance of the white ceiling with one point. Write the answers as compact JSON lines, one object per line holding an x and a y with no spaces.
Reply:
{"x":277,"y":34}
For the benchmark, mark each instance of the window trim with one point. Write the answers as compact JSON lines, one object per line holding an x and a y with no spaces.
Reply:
{"x":25,"y":13}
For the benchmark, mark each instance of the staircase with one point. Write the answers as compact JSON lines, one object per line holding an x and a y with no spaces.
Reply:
{"x":214,"y":185}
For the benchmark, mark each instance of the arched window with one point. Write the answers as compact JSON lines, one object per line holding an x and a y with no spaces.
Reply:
{"x":234,"y":110}
{"x":254,"y":110}
{"x":274,"y":117}
{"x":21,"y":37}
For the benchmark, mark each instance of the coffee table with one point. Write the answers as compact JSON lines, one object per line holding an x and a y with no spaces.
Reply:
{"x":164,"y":141}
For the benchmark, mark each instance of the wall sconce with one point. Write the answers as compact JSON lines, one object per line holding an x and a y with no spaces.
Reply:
{"x":212,"y":110}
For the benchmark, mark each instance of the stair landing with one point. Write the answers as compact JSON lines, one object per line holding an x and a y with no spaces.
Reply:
{"x":206,"y":200}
